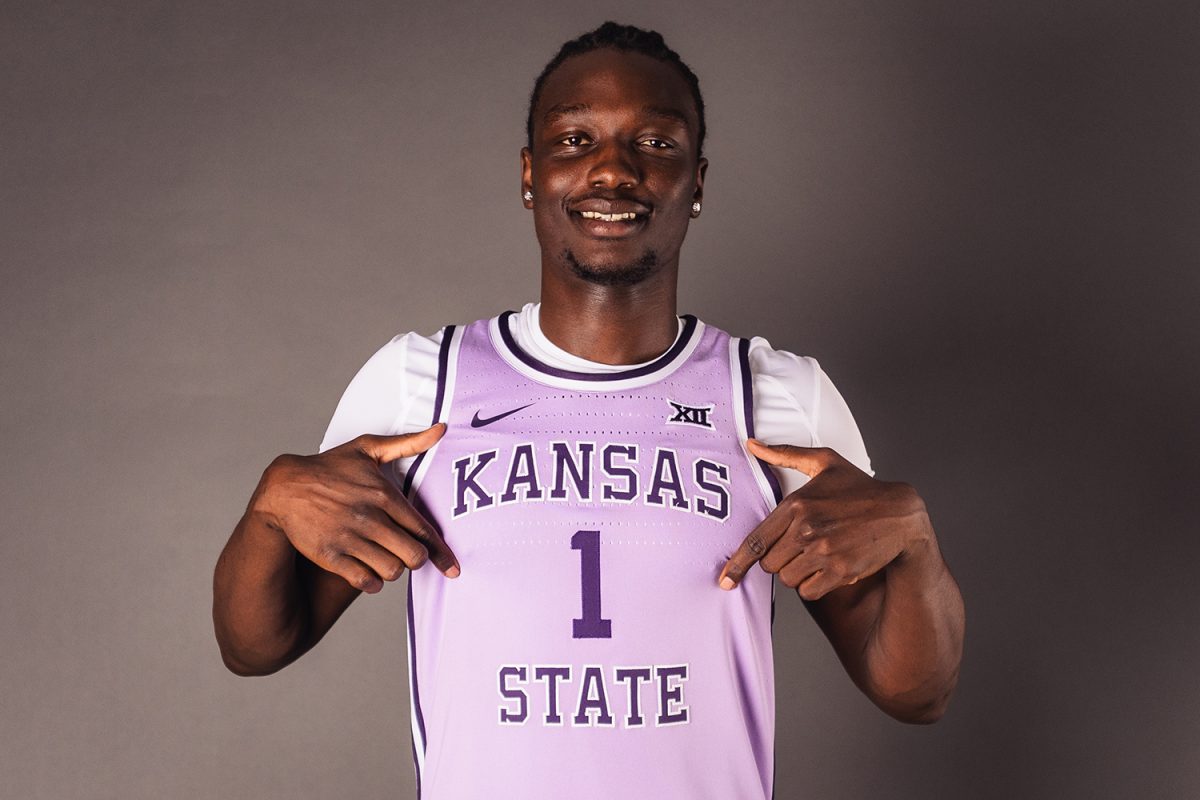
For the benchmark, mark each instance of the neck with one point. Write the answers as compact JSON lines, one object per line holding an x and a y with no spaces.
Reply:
{"x":610,"y":324}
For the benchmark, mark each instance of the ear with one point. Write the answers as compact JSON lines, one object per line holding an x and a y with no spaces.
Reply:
{"x":701,"y":168}
{"x":526,"y":175}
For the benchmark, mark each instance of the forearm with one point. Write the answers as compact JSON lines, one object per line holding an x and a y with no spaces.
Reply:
{"x":259,"y":605}
{"x":914,"y":649}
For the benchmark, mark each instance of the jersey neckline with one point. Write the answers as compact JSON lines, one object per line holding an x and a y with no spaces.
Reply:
{"x":641,"y":374}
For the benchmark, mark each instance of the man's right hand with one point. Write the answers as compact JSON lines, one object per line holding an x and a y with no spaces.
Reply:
{"x":339,"y":511}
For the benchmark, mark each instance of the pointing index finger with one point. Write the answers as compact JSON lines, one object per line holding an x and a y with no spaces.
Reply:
{"x":754,"y":547}
{"x":810,"y":460}
{"x":413,"y":522}
{"x":389,"y":448}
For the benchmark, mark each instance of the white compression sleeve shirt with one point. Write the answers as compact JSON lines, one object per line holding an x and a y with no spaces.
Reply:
{"x":795,"y":402}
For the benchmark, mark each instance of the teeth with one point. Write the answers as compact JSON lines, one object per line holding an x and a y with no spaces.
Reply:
{"x":628,"y":215}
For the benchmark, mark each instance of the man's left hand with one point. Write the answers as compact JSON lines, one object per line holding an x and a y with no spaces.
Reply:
{"x":839,"y":528}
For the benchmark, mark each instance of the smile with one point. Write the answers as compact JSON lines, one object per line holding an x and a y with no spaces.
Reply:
{"x":627,"y":216}
{"x":602,"y":225}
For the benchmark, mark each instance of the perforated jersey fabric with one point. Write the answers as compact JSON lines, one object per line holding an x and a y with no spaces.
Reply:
{"x":586,"y":650}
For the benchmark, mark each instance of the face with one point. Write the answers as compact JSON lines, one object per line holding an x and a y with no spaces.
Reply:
{"x":614,"y":168}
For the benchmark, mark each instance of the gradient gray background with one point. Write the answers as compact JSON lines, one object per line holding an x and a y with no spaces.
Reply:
{"x":983,"y":220}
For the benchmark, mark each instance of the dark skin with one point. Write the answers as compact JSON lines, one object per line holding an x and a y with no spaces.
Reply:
{"x":614,"y":169}
{"x":863,"y":556}
{"x":612,"y":131}
{"x":318,"y":531}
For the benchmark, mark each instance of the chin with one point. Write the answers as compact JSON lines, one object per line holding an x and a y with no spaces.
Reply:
{"x":614,"y":272}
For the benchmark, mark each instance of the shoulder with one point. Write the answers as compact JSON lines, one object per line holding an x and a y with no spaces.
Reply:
{"x":416,"y":356}
{"x":403,"y":360}
{"x":406,"y":348}
{"x":794,"y":374}
{"x":771,"y":364}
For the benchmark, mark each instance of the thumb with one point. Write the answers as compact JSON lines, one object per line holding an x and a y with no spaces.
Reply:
{"x":389,"y":448}
{"x":810,"y":460}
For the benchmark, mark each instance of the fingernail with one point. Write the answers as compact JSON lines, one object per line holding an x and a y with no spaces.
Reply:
{"x":453,"y":572}
{"x":727,"y":583}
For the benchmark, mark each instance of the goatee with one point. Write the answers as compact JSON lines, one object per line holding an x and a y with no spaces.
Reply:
{"x":619,"y":275}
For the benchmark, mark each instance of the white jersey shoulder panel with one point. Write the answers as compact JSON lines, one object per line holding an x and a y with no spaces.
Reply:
{"x":392,"y":393}
{"x":795,"y":402}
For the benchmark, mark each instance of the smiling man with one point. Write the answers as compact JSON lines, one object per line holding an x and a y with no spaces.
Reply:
{"x":584,"y":476}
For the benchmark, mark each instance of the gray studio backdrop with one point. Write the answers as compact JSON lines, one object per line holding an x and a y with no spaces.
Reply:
{"x":982,"y":219}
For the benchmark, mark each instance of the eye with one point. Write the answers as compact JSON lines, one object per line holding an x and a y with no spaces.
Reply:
{"x":573,"y":140}
{"x":656,"y":143}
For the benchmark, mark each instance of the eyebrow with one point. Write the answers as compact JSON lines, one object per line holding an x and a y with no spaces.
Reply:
{"x":555,"y":113}
{"x":672,"y":114}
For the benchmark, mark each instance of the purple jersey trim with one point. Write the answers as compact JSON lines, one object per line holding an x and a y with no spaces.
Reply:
{"x":439,"y":398}
{"x":443,"y":363}
{"x":689,"y":327}
{"x":776,"y":489}
{"x":748,"y":404}
{"x":412,"y":671}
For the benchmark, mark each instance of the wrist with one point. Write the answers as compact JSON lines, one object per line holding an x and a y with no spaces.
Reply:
{"x":921,"y":554}
{"x":263,"y":508}
{"x":920,"y":562}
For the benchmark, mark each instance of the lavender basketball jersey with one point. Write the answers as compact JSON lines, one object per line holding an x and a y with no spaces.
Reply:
{"x":586,"y":649}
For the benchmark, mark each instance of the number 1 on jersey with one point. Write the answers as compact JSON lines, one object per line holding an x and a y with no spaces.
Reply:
{"x":591,"y":625}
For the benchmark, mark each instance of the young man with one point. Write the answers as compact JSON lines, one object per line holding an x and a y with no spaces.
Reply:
{"x":592,"y":498}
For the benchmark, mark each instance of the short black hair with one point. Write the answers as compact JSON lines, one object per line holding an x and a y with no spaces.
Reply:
{"x":625,"y":38}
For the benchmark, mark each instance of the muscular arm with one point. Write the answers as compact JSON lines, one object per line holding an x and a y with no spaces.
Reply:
{"x":271,"y":604}
{"x":899,"y":634}
{"x":863,"y":556}
{"x":318,"y":531}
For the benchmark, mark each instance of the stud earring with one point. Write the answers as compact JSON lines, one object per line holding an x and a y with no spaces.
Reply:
{"x":696,"y":209}
{"x":528,"y":197}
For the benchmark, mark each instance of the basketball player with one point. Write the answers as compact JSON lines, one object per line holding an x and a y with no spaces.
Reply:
{"x":583,"y":474}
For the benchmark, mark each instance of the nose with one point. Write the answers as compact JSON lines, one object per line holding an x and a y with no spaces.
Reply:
{"x":614,"y":166}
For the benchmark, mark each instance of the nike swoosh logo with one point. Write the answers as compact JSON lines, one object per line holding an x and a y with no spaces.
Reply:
{"x":479,"y":422}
